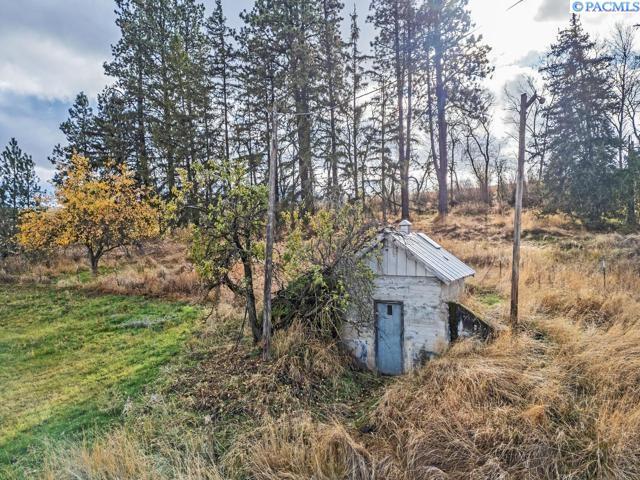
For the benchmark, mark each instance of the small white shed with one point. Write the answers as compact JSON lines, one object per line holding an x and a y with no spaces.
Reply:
{"x":415,"y":278}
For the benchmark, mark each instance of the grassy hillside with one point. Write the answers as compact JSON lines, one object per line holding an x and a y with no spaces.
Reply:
{"x":70,"y":362}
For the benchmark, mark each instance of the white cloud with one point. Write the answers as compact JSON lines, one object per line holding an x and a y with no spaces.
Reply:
{"x":45,"y":174}
{"x":42,"y":66}
{"x":34,"y":123}
{"x":553,"y":10}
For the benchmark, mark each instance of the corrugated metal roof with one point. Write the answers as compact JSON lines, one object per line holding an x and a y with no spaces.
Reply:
{"x":446,"y":266}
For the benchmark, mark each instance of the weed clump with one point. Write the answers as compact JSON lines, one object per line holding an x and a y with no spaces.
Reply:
{"x":299,"y":448}
{"x":124,"y":455}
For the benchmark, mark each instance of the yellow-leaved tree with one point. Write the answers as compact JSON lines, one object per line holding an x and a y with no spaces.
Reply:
{"x":100,"y":210}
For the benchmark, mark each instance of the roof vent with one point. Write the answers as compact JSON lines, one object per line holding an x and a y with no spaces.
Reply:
{"x":405,"y":226}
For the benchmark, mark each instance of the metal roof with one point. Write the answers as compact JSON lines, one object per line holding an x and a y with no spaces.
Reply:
{"x":446,"y":266}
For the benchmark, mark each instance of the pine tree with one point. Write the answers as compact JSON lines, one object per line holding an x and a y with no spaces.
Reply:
{"x":332,"y":94}
{"x":382,"y":136}
{"x":130,"y":66}
{"x":260,"y":77}
{"x":81,"y":134}
{"x":115,"y":131}
{"x":580,"y":176}
{"x":221,"y":69}
{"x":297,"y":19}
{"x":454,"y":62}
{"x":354,"y":111}
{"x":161,"y":67}
{"x":190,"y":75}
{"x":19,"y":191}
{"x":285,"y":34}
{"x":630,"y":180}
{"x":394,"y":46}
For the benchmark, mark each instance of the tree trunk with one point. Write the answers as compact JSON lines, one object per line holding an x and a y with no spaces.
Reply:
{"x":225,"y":102}
{"x":409,"y":68}
{"x":333,"y":161}
{"x":304,"y":149}
{"x":452,"y":167}
{"x":94,"y":258}
{"x":632,"y":169}
{"x":143,"y":161}
{"x":252,"y":312}
{"x":383,"y":163}
{"x":632,"y":219}
{"x":334,"y":153}
{"x":517,"y":220}
{"x":404,"y":180}
{"x":354,"y":139}
{"x":441,"y":102}
{"x":268,"y":262}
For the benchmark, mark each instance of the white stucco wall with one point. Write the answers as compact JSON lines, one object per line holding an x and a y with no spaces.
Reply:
{"x":425,"y":317}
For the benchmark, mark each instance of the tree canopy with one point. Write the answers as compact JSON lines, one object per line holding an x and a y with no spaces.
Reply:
{"x":100,"y":210}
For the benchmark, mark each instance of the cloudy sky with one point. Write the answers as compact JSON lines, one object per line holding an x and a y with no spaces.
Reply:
{"x":52,"y":49}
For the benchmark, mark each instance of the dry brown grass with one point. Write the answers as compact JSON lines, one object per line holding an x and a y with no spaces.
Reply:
{"x":171,"y":276}
{"x":122,"y":455}
{"x":299,"y":448}
{"x":19,"y":269}
{"x":558,"y":399}
{"x":231,"y":379}
{"x":305,"y":359}
{"x":158,"y":268}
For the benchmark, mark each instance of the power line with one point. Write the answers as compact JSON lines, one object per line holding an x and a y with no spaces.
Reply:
{"x":514,"y":5}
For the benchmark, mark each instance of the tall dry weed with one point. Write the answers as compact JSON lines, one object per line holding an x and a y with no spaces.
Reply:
{"x":299,"y":448}
{"x":124,"y":455}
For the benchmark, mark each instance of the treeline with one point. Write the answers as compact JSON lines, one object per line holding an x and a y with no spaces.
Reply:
{"x":382,"y":129}
{"x":188,"y":88}
{"x":583,"y":143}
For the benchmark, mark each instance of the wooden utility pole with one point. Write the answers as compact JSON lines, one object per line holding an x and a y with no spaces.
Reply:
{"x":271,"y":217}
{"x":517,"y":221}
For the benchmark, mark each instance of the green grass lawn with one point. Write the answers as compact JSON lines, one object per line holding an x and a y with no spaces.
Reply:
{"x":69,"y":362}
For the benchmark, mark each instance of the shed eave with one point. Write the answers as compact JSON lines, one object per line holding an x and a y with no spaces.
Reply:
{"x":443,"y":264}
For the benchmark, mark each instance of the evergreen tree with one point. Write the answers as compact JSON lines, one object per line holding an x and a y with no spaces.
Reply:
{"x":297,"y":20}
{"x":630,"y":179}
{"x":161,"y":66}
{"x":355,"y":109}
{"x":193,"y":97}
{"x":260,"y":77}
{"x":382,"y":136}
{"x":332,"y":94}
{"x":130,"y":67}
{"x":580,"y":177}
{"x":81,"y":134}
{"x":286,"y":33}
{"x":19,"y":191}
{"x":161,"y":89}
{"x":221,"y":70}
{"x":453,"y":64}
{"x":115,"y":131}
{"x":392,"y":20}
{"x":105,"y":137}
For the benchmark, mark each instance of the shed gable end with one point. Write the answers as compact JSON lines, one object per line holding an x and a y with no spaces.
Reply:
{"x":394,"y":260}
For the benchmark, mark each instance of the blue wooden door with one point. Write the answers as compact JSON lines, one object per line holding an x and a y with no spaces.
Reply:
{"x":389,"y":338}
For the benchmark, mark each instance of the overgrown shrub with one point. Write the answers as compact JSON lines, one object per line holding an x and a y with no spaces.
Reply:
{"x":326,"y":257}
